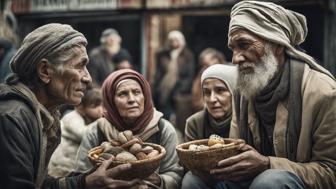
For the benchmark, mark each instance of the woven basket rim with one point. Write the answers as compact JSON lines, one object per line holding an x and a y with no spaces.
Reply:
{"x":137,"y":162}
{"x":184,"y":150}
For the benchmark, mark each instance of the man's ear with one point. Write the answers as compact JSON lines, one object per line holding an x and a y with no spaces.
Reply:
{"x":279,"y":50}
{"x":44,"y":70}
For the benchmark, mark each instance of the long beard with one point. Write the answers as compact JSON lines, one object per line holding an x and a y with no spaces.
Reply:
{"x":250,"y":84}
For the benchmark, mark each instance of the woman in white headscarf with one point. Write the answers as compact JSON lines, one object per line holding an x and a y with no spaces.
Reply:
{"x":218,"y":83}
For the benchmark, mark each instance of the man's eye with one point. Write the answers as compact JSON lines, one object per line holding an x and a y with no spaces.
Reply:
{"x":244,"y":45}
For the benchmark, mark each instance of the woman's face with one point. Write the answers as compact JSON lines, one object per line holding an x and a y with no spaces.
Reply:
{"x":129,"y":100}
{"x":217,"y":98}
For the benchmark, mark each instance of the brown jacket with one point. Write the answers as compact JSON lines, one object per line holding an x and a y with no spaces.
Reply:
{"x":316,"y":152}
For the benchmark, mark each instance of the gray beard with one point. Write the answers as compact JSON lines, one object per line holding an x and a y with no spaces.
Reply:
{"x":250,"y":84}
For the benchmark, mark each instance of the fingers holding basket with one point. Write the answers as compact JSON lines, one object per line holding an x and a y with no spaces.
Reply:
{"x":117,"y":170}
{"x":104,"y":177}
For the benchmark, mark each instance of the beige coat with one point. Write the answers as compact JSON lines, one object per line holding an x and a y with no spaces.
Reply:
{"x":316,"y":152}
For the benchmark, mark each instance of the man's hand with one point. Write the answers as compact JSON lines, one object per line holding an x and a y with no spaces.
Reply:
{"x":103,"y":178}
{"x":241,"y":167}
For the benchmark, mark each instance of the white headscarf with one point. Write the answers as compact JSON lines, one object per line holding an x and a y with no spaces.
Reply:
{"x":276,"y":24}
{"x":226,"y":73}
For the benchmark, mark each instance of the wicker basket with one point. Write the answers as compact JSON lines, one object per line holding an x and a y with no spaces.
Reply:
{"x":204,"y":160}
{"x":140,"y":169}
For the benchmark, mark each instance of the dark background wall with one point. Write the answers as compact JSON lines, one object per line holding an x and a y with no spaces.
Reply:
{"x":211,"y":31}
{"x":91,"y":26}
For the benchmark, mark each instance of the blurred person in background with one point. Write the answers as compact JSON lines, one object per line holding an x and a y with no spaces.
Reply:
{"x":122,"y":61}
{"x":8,"y":40}
{"x":128,"y":105}
{"x":49,"y":69}
{"x":175,"y":70}
{"x":101,"y":57}
{"x":207,"y":57}
{"x":285,"y":106}
{"x":73,"y":126}
{"x":218,"y":83}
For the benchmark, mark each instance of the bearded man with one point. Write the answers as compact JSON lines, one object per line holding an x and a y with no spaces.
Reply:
{"x":285,"y":109}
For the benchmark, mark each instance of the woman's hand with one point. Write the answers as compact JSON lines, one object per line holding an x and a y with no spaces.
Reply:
{"x":103,"y":177}
{"x":241,"y":167}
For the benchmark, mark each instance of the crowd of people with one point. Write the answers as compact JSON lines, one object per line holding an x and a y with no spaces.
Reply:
{"x":273,"y":97}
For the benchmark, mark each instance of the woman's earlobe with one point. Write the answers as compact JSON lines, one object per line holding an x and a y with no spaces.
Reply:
{"x":44,"y":70}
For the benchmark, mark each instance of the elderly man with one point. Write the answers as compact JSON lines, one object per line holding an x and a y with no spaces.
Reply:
{"x":102,"y":58}
{"x":286,"y":106}
{"x":49,"y":70}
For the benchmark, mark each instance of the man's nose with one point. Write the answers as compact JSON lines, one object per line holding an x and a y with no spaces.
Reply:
{"x":238,"y":57}
{"x":87,"y":77}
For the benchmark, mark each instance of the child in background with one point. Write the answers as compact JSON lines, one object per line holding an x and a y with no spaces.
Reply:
{"x":73,"y":127}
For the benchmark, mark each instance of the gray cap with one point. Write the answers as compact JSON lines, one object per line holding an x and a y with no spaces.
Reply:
{"x":108,"y":32}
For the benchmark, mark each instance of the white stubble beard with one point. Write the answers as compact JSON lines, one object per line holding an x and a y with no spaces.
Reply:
{"x":250,"y":84}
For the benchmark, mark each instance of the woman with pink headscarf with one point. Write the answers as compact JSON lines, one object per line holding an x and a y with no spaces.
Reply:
{"x":128,"y":105}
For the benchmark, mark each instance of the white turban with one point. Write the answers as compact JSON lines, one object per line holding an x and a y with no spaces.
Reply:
{"x":224,"y":72}
{"x":276,"y":24}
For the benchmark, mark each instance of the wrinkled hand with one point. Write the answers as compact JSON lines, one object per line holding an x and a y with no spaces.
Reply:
{"x":241,"y":167}
{"x":103,"y":178}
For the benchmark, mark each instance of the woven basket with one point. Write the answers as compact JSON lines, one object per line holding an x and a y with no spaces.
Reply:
{"x":204,"y":160}
{"x":140,"y":169}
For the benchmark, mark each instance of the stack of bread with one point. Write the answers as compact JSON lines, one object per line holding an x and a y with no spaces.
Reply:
{"x":214,"y":142}
{"x":126,"y":148}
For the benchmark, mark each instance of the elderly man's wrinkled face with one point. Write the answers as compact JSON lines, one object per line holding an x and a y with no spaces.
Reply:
{"x":68,"y":83}
{"x":255,"y":59}
{"x":112,"y":44}
{"x":217,"y":98}
{"x":129,"y":100}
